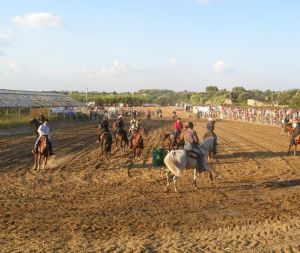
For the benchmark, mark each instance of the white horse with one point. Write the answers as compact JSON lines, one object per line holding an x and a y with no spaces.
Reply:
{"x":178,"y":160}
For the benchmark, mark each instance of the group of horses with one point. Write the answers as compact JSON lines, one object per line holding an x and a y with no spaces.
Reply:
{"x":121,"y":139}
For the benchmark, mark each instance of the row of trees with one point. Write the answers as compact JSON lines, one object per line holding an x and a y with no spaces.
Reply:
{"x":212,"y":95}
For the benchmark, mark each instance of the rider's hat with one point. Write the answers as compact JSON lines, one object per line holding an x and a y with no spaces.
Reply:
{"x":190,"y":124}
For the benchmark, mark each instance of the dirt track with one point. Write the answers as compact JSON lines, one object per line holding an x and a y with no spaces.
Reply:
{"x":83,"y":203}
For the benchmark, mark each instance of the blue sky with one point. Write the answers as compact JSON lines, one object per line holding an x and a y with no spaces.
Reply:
{"x":126,"y":45}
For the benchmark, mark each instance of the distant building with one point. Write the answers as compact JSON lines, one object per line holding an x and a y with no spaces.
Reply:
{"x":253,"y":102}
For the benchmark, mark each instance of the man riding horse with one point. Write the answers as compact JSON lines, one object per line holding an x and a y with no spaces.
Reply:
{"x":44,"y":130}
{"x":191,"y":143}
{"x":178,"y":126}
{"x":41,"y":118}
{"x":104,"y":127}
{"x":133,"y":130}
{"x":210,"y":125}
{"x":296,"y":131}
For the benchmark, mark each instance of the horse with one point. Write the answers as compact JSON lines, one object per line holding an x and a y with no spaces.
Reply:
{"x":207,"y":135}
{"x":41,"y":156}
{"x":121,"y":137}
{"x":288,"y":127}
{"x":137,"y":143}
{"x":173,"y":144}
{"x":105,"y":141}
{"x":178,"y":160}
{"x":34,"y":122}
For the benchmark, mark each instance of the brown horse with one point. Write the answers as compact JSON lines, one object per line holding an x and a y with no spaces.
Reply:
{"x":173,"y":144}
{"x":41,"y":156}
{"x":138,"y":144}
{"x":35,"y":124}
{"x":105,"y":141}
{"x":288,"y":127}
{"x":121,"y":137}
{"x":212,"y":152}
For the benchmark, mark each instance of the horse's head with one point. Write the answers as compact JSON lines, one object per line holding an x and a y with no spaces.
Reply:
{"x":210,"y":145}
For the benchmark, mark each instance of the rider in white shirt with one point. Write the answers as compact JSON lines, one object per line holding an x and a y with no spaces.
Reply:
{"x":44,"y":130}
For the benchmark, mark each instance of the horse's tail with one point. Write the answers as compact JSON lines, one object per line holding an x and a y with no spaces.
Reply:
{"x":170,"y":161}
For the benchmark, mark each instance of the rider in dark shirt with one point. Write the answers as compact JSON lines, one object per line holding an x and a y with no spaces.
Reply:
{"x":41,"y":118}
{"x":296,"y":131}
{"x":104,"y":126}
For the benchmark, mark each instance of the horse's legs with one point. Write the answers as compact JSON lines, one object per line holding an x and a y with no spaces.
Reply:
{"x":35,"y":161}
{"x":175,"y":183}
{"x":38,"y":162}
{"x":117,"y":143}
{"x":295,"y":149}
{"x":210,"y":175}
{"x":45,"y":161}
{"x":289,"y":149}
{"x":168,"y":182}
{"x":195,"y":178}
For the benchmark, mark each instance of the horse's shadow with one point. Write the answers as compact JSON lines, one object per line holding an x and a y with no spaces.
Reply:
{"x":268,"y":184}
{"x":254,"y":154}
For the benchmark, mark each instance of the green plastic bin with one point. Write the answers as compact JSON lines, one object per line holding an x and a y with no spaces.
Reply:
{"x":158,"y":155}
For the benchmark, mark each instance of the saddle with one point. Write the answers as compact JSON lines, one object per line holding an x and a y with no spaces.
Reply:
{"x":192,"y":152}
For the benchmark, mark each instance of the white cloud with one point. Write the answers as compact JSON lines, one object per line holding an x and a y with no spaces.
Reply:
{"x":173,"y":61}
{"x":37,"y":20}
{"x":10,"y":68}
{"x":117,"y":68}
{"x":203,"y":1}
{"x":220,"y":67}
{"x":4,"y":41}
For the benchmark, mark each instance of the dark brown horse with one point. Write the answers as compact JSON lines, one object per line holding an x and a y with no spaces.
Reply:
{"x":173,"y":143}
{"x":212,"y":152}
{"x":138,"y":144}
{"x":41,"y":156}
{"x":121,"y":137}
{"x":288,"y":127}
{"x":105,"y":141}
{"x":34,"y":122}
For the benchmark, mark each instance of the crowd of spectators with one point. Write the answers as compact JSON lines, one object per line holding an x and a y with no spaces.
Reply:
{"x":272,"y":116}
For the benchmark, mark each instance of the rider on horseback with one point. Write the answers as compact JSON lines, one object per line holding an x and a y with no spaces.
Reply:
{"x":191,"y":143}
{"x":104,"y":128}
{"x":174,"y":116}
{"x":134,"y":128}
{"x":177,"y":128}
{"x":210,"y":125}
{"x":44,"y":130}
{"x":296,"y":130}
{"x":41,"y":118}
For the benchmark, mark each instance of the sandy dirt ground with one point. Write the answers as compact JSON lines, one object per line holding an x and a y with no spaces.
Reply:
{"x":82,"y":202}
